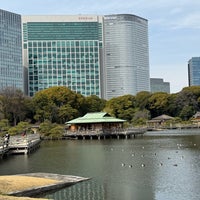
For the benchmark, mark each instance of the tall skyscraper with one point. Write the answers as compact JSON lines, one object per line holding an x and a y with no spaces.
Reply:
{"x":126,"y":55}
{"x":158,"y":85}
{"x":194,"y":71}
{"x":63,"y":50}
{"x":105,"y":56}
{"x":11,"y":69}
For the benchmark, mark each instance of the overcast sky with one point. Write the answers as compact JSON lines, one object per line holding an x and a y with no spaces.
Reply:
{"x":174,"y":28}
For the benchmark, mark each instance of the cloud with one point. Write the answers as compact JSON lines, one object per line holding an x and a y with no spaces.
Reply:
{"x":188,"y":21}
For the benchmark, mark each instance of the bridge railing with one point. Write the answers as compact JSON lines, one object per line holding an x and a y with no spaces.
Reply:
{"x":23,"y":139}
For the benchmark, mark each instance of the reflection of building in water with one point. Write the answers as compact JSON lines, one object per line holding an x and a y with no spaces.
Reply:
{"x":88,"y":190}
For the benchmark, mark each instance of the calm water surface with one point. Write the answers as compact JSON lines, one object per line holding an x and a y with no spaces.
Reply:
{"x":157,"y":166}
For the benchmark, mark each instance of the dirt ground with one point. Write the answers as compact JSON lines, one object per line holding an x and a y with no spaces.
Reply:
{"x":17,"y":183}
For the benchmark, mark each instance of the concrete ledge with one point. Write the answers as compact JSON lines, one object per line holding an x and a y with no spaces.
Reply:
{"x":63,"y":181}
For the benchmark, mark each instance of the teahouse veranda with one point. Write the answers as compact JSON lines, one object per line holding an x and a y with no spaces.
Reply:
{"x":97,"y":121}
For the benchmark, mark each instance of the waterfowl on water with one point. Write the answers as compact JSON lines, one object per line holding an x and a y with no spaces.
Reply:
{"x":123,"y":164}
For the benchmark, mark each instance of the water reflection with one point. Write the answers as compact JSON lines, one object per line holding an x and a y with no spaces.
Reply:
{"x":86,"y":191}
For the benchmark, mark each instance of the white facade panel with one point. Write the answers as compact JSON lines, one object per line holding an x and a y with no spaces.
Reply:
{"x":126,"y":55}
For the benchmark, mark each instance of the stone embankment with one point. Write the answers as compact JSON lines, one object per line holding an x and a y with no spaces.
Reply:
{"x":36,"y":184}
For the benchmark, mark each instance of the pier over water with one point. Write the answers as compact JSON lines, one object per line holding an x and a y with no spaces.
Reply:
{"x":105,"y":134}
{"x":19,"y":144}
{"x":99,"y":125}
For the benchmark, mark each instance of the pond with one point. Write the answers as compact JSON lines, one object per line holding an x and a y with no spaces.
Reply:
{"x":157,"y":166}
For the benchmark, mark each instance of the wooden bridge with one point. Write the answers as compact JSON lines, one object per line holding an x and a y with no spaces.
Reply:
{"x":105,"y":134}
{"x":20,"y":144}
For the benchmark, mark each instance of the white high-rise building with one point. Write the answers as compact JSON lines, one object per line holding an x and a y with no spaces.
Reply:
{"x":126,"y":67}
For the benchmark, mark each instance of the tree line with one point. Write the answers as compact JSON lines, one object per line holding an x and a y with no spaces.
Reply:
{"x":59,"y":104}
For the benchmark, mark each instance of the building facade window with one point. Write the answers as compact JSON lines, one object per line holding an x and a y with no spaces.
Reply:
{"x":107,"y":56}
{"x":126,"y":55}
{"x":194,"y":71}
{"x":63,"y":53}
{"x":11,"y":70}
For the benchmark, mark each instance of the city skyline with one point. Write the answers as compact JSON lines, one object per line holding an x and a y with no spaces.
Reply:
{"x":87,"y":53}
{"x":173,"y":28}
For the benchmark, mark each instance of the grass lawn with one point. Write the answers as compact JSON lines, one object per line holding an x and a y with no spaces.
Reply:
{"x":18,"y":183}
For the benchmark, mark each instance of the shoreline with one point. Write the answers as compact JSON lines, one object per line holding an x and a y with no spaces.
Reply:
{"x":35,"y":184}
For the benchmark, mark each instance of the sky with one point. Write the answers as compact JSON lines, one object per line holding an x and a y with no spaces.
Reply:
{"x":174,"y":28}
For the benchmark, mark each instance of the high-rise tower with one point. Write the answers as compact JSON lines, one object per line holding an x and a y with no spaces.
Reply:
{"x":105,"y":56}
{"x":126,"y":66}
{"x":194,"y":71}
{"x":11,"y":69}
{"x":63,"y":50}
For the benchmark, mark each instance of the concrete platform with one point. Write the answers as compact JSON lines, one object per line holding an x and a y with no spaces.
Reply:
{"x":63,"y":181}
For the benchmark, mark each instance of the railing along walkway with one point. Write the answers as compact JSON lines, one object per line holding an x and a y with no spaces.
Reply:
{"x":106,"y":133}
{"x":23,"y":144}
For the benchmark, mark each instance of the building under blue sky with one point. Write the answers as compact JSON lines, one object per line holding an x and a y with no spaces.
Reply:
{"x":63,"y":50}
{"x":11,"y":70}
{"x":107,"y":56}
{"x":194,"y":71}
{"x":173,"y":28}
{"x":126,"y":55}
{"x":158,"y":85}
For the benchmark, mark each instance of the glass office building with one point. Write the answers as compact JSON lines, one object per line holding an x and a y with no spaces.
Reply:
{"x":63,"y":50}
{"x":105,"y":56}
{"x":126,"y":67}
{"x":11,"y":69}
{"x":194,"y":71}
